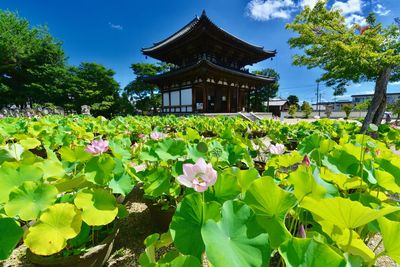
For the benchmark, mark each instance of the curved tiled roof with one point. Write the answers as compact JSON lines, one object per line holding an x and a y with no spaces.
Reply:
{"x":209,"y":64}
{"x":188,"y":28}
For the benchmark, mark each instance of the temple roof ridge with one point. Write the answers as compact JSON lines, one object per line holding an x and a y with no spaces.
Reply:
{"x":189,"y":27}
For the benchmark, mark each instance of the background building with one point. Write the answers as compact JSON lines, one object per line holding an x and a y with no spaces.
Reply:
{"x":391,"y":98}
{"x":277,"y":105}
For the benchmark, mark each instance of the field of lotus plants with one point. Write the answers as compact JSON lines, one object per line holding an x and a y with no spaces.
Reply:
{"x":232,"y":192}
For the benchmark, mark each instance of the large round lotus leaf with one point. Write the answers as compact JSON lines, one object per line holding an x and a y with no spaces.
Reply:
{"x":236,"y":240}
{"x":55,"y":226}
{"x":187,"y":222}
{"x":309,"y":253}
{"x":30,"y":143}
{"x":271,"y":204}
{"x":10,"y":235}
{"x":99,"y":206}
{"x":11,"y":178}
{"x":99,"y":170}
{"x":343,"y":212}
{"x":29,"y":199}
{"x":391,"y":232}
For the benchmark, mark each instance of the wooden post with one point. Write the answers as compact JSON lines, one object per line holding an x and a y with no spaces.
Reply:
{"x":239,"y":100}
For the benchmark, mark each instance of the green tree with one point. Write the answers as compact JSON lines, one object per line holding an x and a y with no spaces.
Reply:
{"x":395,"y":108}
{"x":293,"y":100}
{"x":264,"y":94}
{"x":363,"y":105}
{"x":29,"y":58}
{"x":306,"y":108}
{"x":347,"y":108}
{"x":292,"y":110}
{"x":94,"y":85}
{"x":146,"y":95}
{"x":348,"y":55}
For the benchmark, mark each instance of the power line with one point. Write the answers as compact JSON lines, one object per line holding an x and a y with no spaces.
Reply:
{"x":296,"y":87}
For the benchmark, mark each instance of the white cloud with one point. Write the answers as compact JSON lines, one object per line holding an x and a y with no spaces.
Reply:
{"x":395,"y":83}
{"x":349,"y":7}
{"x":115,"y":26}
{"x":270,"y":9}
{"x":381,"y":10}
{"x":310,"y":3}
{"x":355,"y":19}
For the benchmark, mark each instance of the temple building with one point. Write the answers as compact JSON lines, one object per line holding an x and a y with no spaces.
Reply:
{"x":209,"y":72}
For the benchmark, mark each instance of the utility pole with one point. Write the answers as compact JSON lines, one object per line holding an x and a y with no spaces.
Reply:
{"x":319,"y":111}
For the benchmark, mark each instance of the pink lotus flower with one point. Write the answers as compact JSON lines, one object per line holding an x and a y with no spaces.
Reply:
{"x":198,"y":176}
{"x":157,"y":135}
{"x":306,"y":161}
{"x":97,"y":147}
{"x":138,"y":168}
{"x":277,"y":149}
{"x":395,"y":126}
{"x":141,"y":136}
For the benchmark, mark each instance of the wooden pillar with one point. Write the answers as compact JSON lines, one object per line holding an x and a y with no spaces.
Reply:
{"x":239,"y":98}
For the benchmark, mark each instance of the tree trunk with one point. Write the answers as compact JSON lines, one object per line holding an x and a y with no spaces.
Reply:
{"x":376,"y":110}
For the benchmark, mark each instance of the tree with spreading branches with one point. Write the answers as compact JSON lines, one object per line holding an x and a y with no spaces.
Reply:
{"x":348,"y":53}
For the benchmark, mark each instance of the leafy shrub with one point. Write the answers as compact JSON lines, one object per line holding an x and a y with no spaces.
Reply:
{"x":292,"y":110}
{"x":306,"y":108}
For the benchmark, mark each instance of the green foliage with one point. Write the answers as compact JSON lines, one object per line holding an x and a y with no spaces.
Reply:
{"x":321,"y":200}
{"x":33,"y":70}
{"x":293,"y":100}
{"x":292,"y":110}
{"x":347,"y":108}
{"x":270,"y":204}
{"x":306,"y":108}
{"x":29,"y":199}
{"x":395,"y":108}
{"x":94,"y":85}
{"x":363,"y":105}
{"x":296,"y":252}
{"x":55,"y":226}
{"x":98,"y":206}
{"x":146,"y":96}
{"x":260,"y":96}
{"x":328,"y":42}
{"x":188,"y":221}
{"x":239,"y":242}
{"x":11,"y":234}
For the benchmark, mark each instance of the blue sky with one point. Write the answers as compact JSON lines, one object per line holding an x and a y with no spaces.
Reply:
{"x":113,"y":32}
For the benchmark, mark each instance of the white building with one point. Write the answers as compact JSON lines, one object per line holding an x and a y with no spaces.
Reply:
{"x":391,"y":98}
